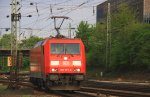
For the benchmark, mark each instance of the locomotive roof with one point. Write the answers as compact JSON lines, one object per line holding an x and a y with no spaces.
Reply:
{"x":54,"y":39}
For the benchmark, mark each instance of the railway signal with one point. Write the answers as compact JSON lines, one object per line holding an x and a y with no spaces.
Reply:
{"x":9,"y":61}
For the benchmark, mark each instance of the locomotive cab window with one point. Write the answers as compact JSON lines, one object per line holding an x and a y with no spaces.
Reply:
{"x":65,"y":48}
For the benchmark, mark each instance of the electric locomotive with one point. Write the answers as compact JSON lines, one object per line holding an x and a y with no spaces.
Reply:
{"x":58,"y":64}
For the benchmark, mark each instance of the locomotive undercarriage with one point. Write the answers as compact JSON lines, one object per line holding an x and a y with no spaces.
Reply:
{"x":59,"y":82}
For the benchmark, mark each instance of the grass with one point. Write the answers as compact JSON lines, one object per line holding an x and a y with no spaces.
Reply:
{"x":2,"y":88}
{"x":138,"y":76}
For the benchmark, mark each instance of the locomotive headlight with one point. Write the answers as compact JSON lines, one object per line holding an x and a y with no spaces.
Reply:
{"x":77,"y":70}
{"x":76,"y":63}
{"x":54,"y":69}
{"x":54,"y":63}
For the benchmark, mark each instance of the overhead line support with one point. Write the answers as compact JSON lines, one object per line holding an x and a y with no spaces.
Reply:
{"x":14,"y":68}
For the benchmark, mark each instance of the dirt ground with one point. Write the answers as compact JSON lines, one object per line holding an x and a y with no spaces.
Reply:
{"x":23,"y":92}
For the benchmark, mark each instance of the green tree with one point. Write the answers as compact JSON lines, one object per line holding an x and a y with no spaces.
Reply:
{"x":83,"y":32}
{"x":30,"y":42}
{"x":97,"y":41}
{"x":139,"y":44}
{"x":27,"y":44}
{"x":5,"y":41}
{"x":121,"y":24}
{"x":130,"y":45}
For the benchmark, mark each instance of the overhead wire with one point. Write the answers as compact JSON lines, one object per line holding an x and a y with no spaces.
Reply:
{"x":47,"y":3}
{"x":70,"y":11}
{"x":83,"y":5}
{"x":51,"y":8}
{"x":35,"y":11}
{"x":45,"y":18}
{"x":47,"y":7}
{"x":78,"y":6}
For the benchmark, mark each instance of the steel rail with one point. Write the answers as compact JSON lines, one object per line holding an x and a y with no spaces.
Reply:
{"x":97,"y":90}
{"x":73,"y":94}
{"x":118,"y":86}
{"x":60,"y":93}
{"x":115,"y":92}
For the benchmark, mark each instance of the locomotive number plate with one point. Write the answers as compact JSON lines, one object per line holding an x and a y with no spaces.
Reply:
{"x":66,"y":70}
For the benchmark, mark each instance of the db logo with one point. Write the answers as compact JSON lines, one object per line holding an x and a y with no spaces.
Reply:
{"x":65,"y":63}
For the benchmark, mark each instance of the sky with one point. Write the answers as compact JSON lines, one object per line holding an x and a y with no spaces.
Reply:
{"x":40,"y":23}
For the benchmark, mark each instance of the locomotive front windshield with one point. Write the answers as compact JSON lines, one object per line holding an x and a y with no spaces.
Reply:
{"x":65,"y":48}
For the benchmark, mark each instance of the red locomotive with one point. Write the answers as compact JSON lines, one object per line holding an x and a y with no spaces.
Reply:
{"x":58,"y":64}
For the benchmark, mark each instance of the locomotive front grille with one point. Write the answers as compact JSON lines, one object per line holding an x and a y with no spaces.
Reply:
{"x":53,"y":77}
{"x":79,"y":77}
{"x":56,"y":77}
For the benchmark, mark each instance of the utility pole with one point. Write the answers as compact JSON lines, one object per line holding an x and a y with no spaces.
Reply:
{"x":14,"y":68}
{"x":108,"y":38}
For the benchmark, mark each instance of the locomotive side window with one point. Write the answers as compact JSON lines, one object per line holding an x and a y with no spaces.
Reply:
{"x":68,"y":48}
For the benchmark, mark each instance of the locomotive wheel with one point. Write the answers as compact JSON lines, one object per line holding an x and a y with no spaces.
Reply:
{"x":39,"y":83}
{"x":71,"y":92}
{"x":46,"y":86}
{"x":42,"y":83}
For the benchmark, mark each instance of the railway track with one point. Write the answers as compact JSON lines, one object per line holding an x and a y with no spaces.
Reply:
{"x":117,"y":88}
{"x":135,"y":87}
{"x":74,"y":94}
{"x":56,"y":93}
{"x":98,"y":87}
{"x":115,"y":92}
